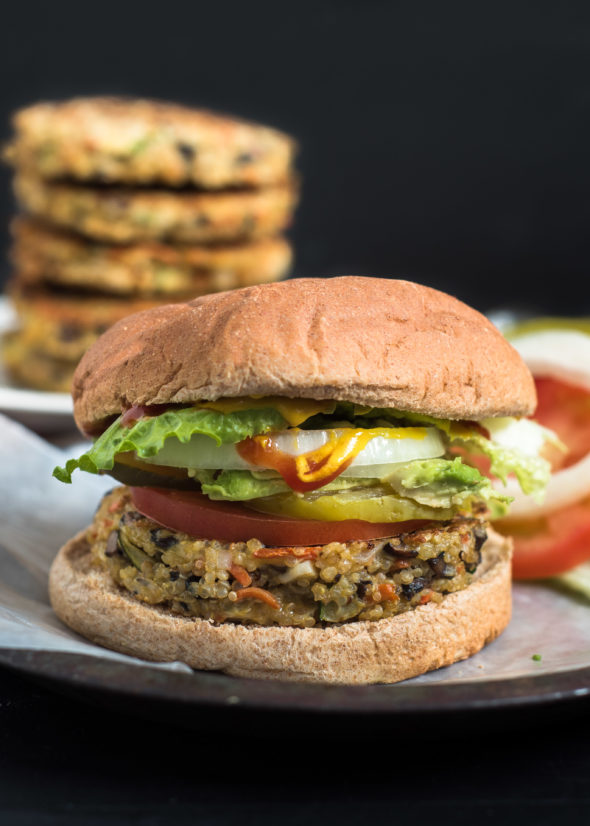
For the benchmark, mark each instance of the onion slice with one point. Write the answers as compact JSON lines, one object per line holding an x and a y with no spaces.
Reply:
{"x":560,"y":354}
{"x":403,"y":445}
{"x":564,"y":488}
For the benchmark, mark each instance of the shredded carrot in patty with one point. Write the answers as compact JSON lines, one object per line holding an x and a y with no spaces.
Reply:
{"x":240,"y":574}
{"x":257,"y":593}
{"x":300,"y":553}
{"x":387,"y":591}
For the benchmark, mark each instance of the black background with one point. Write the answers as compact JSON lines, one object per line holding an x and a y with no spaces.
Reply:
{"x":64,"y":762}
{"x":444,"y":142}
{"x":441,"y":141}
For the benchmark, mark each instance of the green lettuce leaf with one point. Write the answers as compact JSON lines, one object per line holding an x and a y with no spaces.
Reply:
{"x":354,"y":415}
{"x":446,"y":483}
{"x":241,"y":485}
{"x":237,"y":485}
{"x":532,"y":472}
{"x":147,"y":435}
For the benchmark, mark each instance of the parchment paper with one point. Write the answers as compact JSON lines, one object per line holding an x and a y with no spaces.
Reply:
{"x":38,"y":514}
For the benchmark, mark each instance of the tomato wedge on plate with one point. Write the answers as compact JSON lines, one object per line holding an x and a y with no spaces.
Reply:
{"x":559,"y":540}
{"x":549,"y":546}
{"x":565,"y":409}
{"x":197,"y":515}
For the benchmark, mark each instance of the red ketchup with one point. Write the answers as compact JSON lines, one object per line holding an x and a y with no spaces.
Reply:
{"x":317,"y":467}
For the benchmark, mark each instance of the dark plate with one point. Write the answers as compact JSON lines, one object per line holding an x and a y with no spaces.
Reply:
{"x":120,"y":683}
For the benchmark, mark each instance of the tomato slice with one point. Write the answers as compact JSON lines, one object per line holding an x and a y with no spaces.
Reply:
{"x":551,"y":545}
{"x":565,"y":409}
{"x":560,"y":540}
{"x":197,"y":515}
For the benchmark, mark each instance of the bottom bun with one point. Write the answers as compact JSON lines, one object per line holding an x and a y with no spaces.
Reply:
{"x":384,"y":651}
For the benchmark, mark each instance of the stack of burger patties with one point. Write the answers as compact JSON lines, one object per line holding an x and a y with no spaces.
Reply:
{"x":127,"y":204}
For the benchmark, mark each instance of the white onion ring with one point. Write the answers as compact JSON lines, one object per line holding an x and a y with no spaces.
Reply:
{"x":558,"y":354}
{"x":566,"y":487}
{"x":203,"y":452}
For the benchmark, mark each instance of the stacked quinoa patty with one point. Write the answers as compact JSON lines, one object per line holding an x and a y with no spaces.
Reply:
{"x":128,"y":204}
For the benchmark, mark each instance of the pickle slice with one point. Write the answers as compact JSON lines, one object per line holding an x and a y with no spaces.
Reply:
{"x":375,"y":504}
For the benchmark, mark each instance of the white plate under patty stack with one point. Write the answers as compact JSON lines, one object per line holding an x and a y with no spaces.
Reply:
{"x":126,"y":204}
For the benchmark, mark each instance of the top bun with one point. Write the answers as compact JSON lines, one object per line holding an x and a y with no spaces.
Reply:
{"x":373,"y":341}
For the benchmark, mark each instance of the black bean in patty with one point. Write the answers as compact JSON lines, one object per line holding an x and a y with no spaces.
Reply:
{"x":414,"y":587}
{"x":162,"y":541}
{"x":442,"y":568}
{"x":471,"y":564}
{"x":362,"y":588}
{"x":129,"y":517}
{"x":400,"y":550}
{"x":187,"y":151}
{"x":480,"y":534}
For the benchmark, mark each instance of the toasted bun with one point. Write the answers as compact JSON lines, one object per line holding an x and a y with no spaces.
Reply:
{"x":373,"y":341}
{"x":385,"y":651}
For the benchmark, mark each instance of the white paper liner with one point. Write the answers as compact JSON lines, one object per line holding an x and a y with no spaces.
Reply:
{"x":38,"y":515}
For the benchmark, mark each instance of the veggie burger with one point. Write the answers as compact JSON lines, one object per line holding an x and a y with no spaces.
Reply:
{"x":300,"y":495}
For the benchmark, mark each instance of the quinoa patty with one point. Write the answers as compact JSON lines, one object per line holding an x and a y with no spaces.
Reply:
{"x":246,"y":582}
{"x":43,"y":255}
{"x":54,"y":331}
{"x":143,"y":141}
{"x":119,"y":215}
{"x":64,"y":325}
{"x":30,"y":366}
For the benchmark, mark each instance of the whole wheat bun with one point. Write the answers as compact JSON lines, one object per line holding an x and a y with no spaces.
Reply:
{"x":385,"y":651}
{"x":374,"y":341}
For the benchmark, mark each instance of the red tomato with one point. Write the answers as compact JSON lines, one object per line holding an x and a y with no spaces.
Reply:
{"x":565,"y":409}
{"x":561,"y":540}
{"x":197,"y":515}
{"x":552,"y":545}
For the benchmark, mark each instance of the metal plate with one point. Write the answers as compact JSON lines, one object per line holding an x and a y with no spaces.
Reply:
{"x":40,"y":410}
{"x":210,"y":689}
